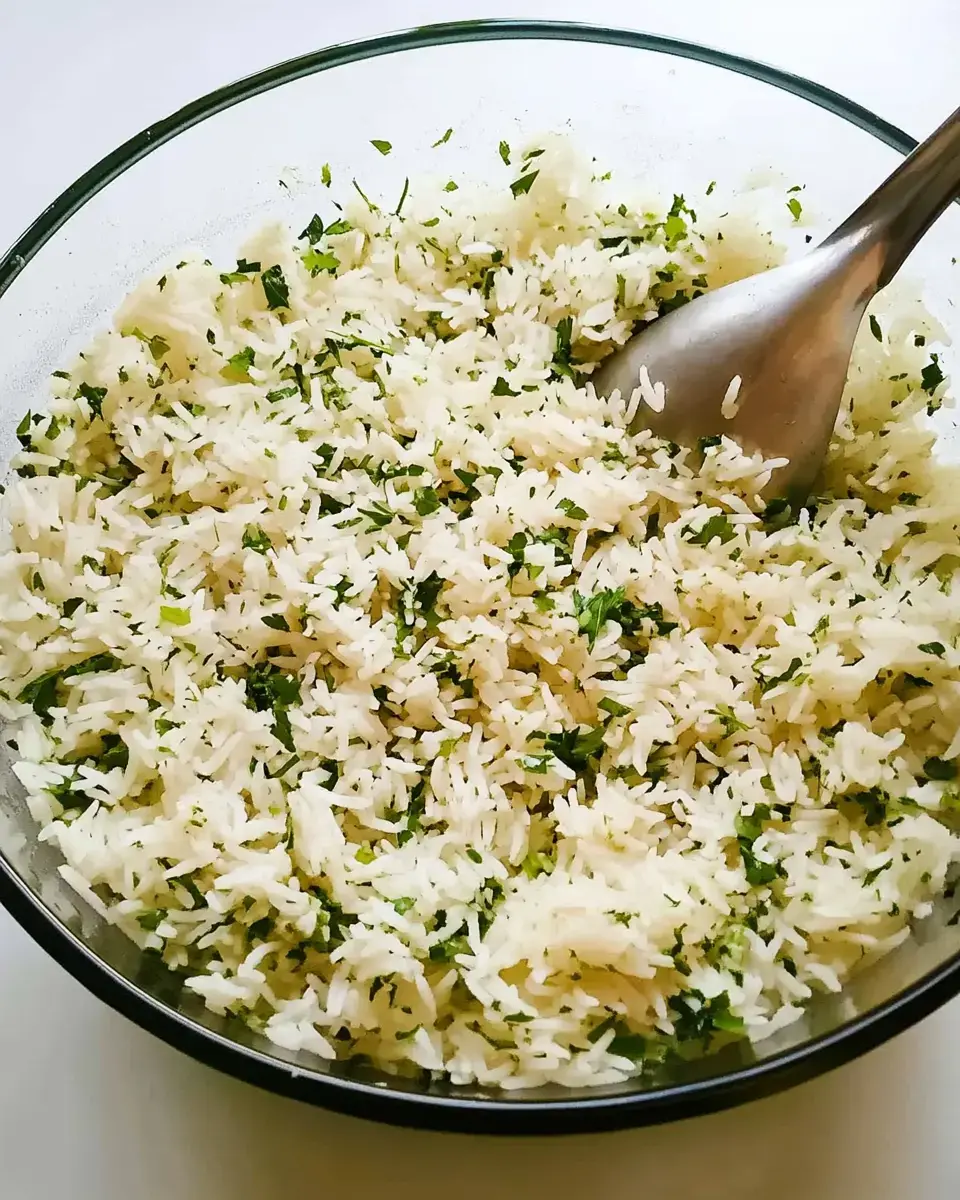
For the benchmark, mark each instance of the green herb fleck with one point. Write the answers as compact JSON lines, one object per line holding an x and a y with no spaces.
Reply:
{"x":939,"y":768}
{"x":314,"y":231}
{"x":575,"y":747}
{"x":275,"y":288}
{"x":426,"y":501}
{"x":573,"y":511}
{"x":717,"y":526}
{"x":521,"y":186}
{"x":768,"y":684}
{"x":316,"y":261}
{"x":173,"y":615}
{"x":276,"y":621}
{"x":94,"y":396}
{"x":932,"y":376}
{"x":237,"y":369}
{"x":255,"y":539}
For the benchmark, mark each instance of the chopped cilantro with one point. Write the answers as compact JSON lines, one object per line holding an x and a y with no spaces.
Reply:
{"x":426,"y":501}
{"x":916,"y":680}
{"x":282,"y":394}
{"x":173,"y":615}
{"x":537,"y":862}
{"x":41,"y":693}
{"x":443,"y":138}
{"x":275,"y":288}
{"x":939,"y":768}
{"x":731,"y":724}
{"x":936,"y":648}
{"x":796,"y":208}
{"x":314,"y":230}
{"x":872,"y":876}
{"x":23,"y":429}
{"x":157,"y":345}
{"x":504,"y":151}
{"x":502,"y":388}
{"x":325,"y":177}
{"x":748,"y":829}
{"x":875,"y":328}
{"x":378,"y":515}
{"x":270,"y":688}
{"x":932,"y":376}
{"x":276,"y":621}
{"x":593,"y":612}
{"x":400,"y":202}
{"x":238,"y":366}
{"x":695,"y":1018}
{"x":717,"y":526}
{"x":447,"y":951}
{"x":873,"y":802}
{"x":521,"y":186}
{"x":364,"y":197}
{"x":242,"y":273}
{"x":94,"y":396}
{"x":316,"y":261}
{"x":562,"y":360}
{"x":421,"y":597}
{"x":778,"y":514}
{"x":255,"y":539}
{"x":767,"y":684}
{"x":614,"y":707}
{"x":382,"y":146}
{"x":573,"y":511}
{"x":575,"y":747}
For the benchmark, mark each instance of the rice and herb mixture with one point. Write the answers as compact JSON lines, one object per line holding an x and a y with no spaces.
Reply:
{"x":376,"y":677}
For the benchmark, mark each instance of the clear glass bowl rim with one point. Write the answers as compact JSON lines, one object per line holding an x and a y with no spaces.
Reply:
{"x":582,"y":1112}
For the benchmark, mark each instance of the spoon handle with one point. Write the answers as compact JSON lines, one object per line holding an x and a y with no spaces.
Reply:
{"x":906,"y":204}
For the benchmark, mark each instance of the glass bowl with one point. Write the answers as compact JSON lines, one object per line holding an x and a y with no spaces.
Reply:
{"x":676,"y":113}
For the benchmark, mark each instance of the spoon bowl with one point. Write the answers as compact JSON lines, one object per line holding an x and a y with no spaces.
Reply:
{"x":765,"y":359}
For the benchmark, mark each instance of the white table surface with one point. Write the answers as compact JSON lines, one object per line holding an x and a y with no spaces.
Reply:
{"x":91,"y":1108}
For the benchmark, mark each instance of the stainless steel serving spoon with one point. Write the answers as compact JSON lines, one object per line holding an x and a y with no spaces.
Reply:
{"x":787,"y":333}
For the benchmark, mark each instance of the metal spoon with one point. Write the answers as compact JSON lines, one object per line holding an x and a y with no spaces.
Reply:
{"x":788,"y":332}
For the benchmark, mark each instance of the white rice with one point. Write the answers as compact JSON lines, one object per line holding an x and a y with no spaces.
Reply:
{"x":730,"y":405}
{"x":652,"y":394}
{"x":568,"y":752}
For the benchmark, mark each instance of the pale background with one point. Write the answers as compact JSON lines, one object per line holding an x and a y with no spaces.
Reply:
{"x":91,"y":1108}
